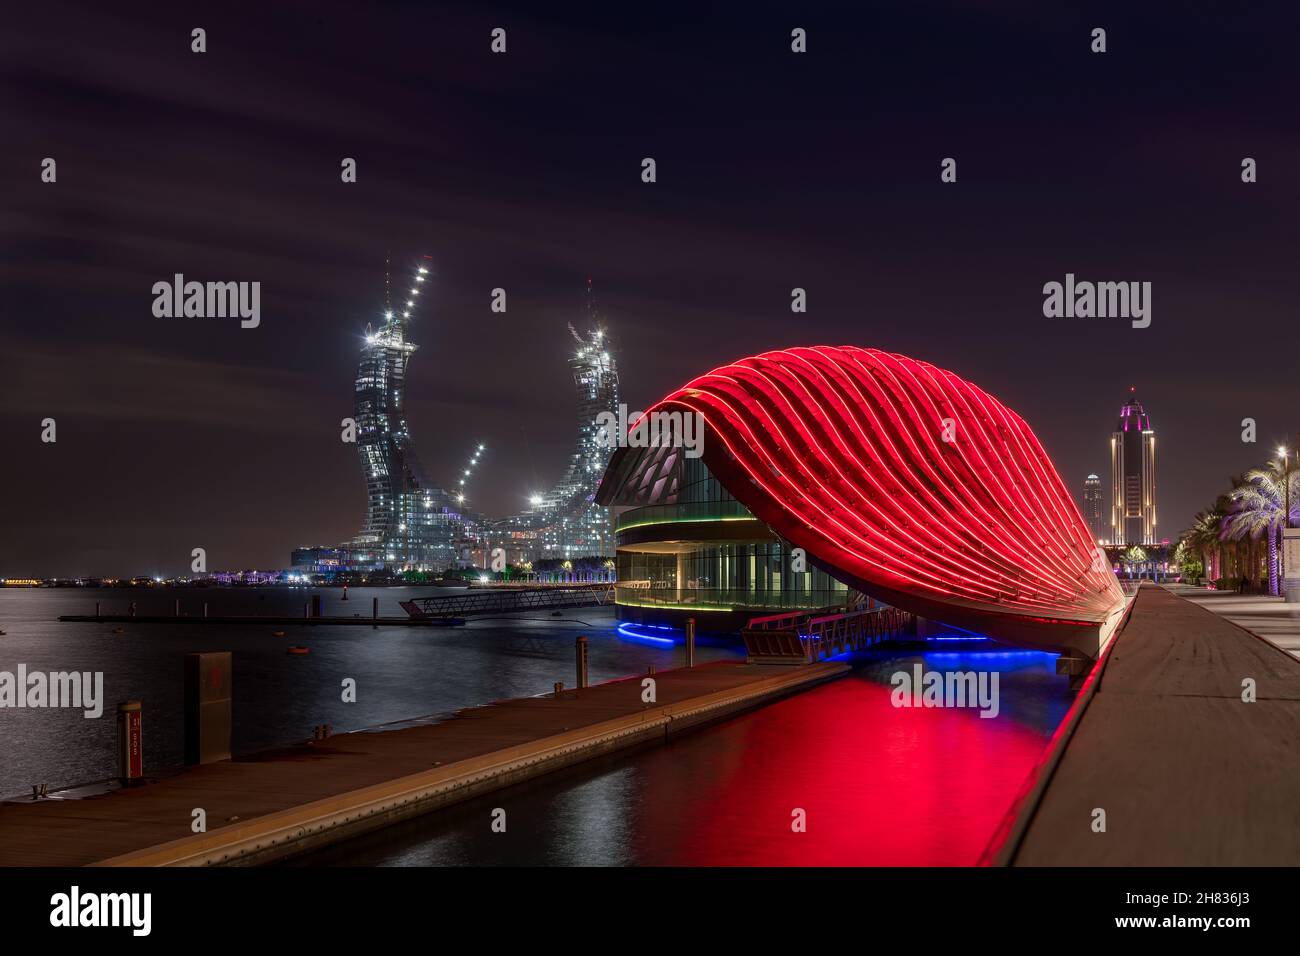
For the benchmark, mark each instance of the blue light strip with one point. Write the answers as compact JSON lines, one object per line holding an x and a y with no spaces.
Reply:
{"x":627,"y":630}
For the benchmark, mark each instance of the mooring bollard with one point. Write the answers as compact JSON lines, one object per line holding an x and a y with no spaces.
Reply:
{"x":690,"y":642}
{"x":580,"y":646}
{"x":130,"y":741}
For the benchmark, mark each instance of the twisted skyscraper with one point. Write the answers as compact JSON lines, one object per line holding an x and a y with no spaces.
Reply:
{"x":409,"y":522}
{"x":566,"y":521}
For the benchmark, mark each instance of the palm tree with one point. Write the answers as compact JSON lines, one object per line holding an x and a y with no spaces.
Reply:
{"x":1187,"y":559}
{"x":1203,"y":538}
{"x":1256,"y":510}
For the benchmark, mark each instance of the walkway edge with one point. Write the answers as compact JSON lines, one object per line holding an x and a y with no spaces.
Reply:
{"x":1005,"y":842}
{"x":315,"y":824}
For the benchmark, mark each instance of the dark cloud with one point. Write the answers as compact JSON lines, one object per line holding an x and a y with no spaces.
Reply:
{"x":521,"y":171}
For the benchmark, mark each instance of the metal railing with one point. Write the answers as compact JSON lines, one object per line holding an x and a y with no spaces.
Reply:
{"x":805,"y":638}
{"x":689,"y":511}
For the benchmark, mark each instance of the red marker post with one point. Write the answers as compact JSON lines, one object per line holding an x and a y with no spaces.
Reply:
{"x":130,"y":742}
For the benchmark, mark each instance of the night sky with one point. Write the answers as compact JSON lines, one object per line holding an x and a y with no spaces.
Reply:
{"x":522,"y":171}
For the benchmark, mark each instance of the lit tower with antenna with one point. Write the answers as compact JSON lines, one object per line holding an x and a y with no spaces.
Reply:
{"x":409,"y":523}
{"x":1133,"y":476}
{"x":566,"y":521}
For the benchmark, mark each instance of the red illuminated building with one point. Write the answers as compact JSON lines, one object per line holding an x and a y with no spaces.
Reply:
{"x":896,"y":479}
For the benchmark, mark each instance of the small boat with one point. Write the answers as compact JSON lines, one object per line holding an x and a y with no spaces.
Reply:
{"x":277,"y":633}
{"x":298,"y":649}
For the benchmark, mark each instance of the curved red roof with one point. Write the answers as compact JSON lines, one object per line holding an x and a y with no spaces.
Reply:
{"x":904,"y":478}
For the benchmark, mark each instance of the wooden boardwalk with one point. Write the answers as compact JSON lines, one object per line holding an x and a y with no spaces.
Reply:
{"x":1188,"y":774}
{"x":268,"y":804}
{"x":269,"y":620}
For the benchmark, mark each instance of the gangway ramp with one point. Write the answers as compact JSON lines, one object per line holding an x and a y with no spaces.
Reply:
{"x":804,"y":637}
{"x":480,"y":601}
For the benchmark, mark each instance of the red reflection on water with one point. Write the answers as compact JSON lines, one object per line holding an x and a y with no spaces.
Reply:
{"x":881,"y":786}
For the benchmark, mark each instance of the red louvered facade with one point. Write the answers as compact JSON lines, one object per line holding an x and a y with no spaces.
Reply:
{"x":901,"y":480}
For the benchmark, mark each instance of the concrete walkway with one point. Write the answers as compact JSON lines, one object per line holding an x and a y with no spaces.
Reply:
{"x":1269,"y":617}
{"x":1186,"y":772}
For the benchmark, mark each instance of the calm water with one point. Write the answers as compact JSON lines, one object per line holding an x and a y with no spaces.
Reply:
{"x":880,"y":785}
{"x":401,"y":672}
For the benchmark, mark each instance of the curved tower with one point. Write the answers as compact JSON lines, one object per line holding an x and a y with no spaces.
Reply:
{"x":409,"y":523}
{"x":566,"y":521}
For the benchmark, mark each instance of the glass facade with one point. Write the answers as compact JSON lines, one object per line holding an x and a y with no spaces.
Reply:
{"x":725,"y":575}
{"x":745,"y":567}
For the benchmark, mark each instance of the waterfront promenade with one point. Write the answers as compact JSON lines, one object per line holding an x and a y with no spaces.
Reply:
{"x":268,"y":805}
{"x":1269,"y":617}
{"x":1186,"y":772}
